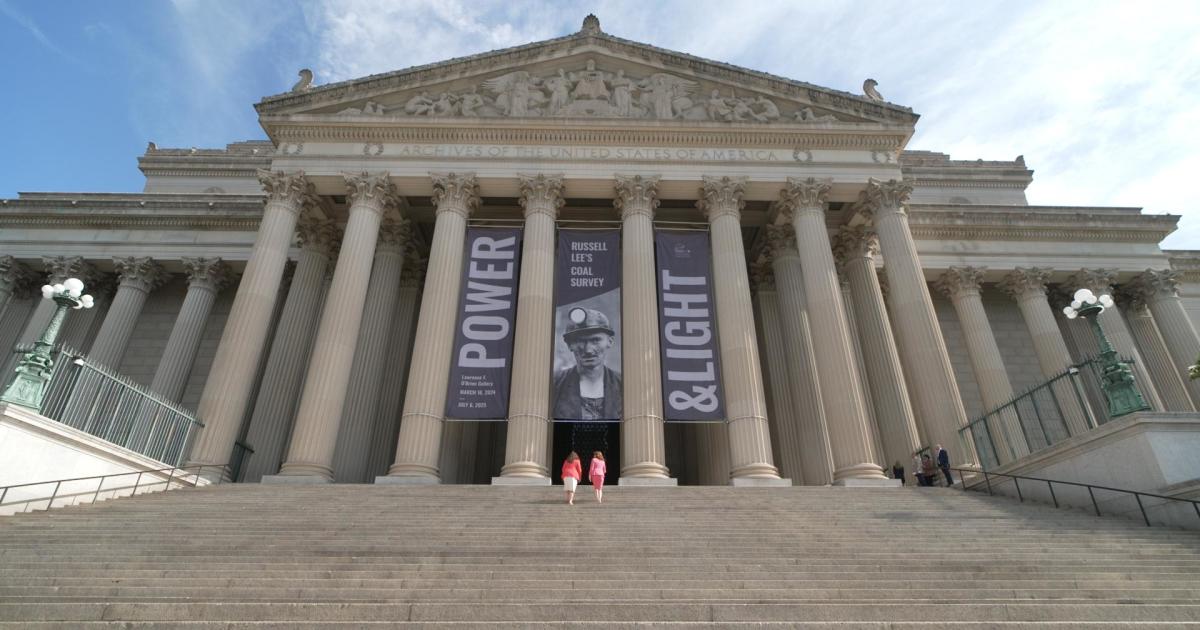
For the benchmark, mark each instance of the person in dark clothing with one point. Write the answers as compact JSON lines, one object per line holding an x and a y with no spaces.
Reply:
{"x":928,"y":471}
{"x":898,"y":472}
{"x":943,"y":461}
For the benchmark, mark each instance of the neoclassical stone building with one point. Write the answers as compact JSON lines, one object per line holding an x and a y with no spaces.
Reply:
{"x":301,"y":293}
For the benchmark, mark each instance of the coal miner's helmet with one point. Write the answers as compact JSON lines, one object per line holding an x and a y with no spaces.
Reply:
{"x":582,"y":321}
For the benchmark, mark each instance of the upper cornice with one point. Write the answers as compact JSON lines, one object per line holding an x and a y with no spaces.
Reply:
{"x":133,"y":210}
{"x":1038,"y":223}
{"x":937,"y":170}
{"x":1186,"y":262}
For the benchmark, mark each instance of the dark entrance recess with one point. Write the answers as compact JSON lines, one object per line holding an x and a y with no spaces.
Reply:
{"x":583,"y":438}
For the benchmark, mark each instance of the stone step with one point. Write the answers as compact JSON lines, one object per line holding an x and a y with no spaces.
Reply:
{"x":602,"y":612}
{"x":596,"y":625}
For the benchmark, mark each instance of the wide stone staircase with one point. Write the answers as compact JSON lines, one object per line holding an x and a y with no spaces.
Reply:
{"x":252,"y":556}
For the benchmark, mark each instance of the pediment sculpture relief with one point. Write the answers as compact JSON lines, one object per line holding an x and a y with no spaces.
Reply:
{"x":591,"y":92}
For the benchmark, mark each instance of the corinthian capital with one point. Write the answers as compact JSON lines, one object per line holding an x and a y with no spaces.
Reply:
{"x":1157,"y":283}
{"x":960,"y":282}
{"x":780,"y":242}
{"x":541,"y":194}
{"x":1096,"y":280}
{"x":855,"y":242}
{"x":59,"y":268}
{"x":762,"y":277}
{"x":290,"y":189}
{"x":207,"y":273}
{"x":317,"y":235}
{"x":882,"y":197}
{"x":371,"y":191}
{"x":139,"y":272}
{"x":394,"y":235}
{"x":721,"y":196}
{"x":13,"y":272}
{"x":1025,"y":282}
{"x":801,"y":195}
{"x":636,"y":195}
{"x":455,"y":192}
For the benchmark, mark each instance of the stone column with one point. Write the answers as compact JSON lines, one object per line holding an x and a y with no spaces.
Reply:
{"x":802,"y":203}
{"x":816,"y":460}
{"x":857,"y":249}
{"x":1100,"y":281}
{"x":1160,"y":290}
{"x":934,"y":392}
{"x":319,"y":417}
{"x":962,"y":286}
{"x":82,"y":328}
{"x":786,"y":413}
{"x":231,"y":377}
{"x":58,"y":269}
{"x":387,"y":418}
{"x":456,"y":196}
{"x":643,"y":454}
{"x":137,"y":276}
{"x":13,"y":274}
{"x":745,"y":403}
{"x":529,"y":400}
{"x":1081,"y":341}
{"x":275,"y":407}
{"x":366,"y":375}
{"x":1167,"y":378}
{"x":206,"y":276}
{"x":1028,"y":288}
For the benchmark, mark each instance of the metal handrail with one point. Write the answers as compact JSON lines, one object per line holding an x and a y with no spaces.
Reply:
{"x":223,"y":468}
{"x":1090,"y":488}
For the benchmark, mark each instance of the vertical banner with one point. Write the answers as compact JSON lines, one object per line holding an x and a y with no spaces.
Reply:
{"x":587,"y":326}
{"x":691,"y":375}
{"x":481,"y":367}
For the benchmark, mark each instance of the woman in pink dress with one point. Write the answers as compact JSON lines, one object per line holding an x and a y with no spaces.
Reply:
{"x":596,"y":474}
{"x":571,"y":472}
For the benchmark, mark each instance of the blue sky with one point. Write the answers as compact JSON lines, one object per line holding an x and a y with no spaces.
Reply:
{"x":1100,"y":97}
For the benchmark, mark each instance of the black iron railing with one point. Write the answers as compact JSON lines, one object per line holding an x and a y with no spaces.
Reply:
{"x":1091,"y":489}
{"x":78,"y":488}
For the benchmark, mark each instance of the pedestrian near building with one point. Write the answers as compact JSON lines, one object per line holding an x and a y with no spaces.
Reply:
{"x":943,"y":462}
{"x":596,"y":473}
{"x":572,"y":470}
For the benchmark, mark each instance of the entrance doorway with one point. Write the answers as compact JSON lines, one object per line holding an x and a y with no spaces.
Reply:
{"x":583,"y":438}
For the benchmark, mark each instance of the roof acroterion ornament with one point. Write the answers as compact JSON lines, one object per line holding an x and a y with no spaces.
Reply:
{"x":591,"y":25}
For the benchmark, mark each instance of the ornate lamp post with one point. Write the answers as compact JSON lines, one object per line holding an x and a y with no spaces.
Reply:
{"x":1117,"y":381}
{"x":28,"y":389}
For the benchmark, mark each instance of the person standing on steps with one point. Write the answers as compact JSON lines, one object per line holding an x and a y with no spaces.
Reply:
{"x":943,"y":462}
{"x":918,"y":471}
{"x":928,"y":472}
{"x":898,"y":472}
{"x":596,"y":474}
{"x":572,"y":470}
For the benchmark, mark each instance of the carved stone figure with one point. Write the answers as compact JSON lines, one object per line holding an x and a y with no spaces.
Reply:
{"x":445,"y":105}
{"x":305,"y":82}
{"x":807,"y":115}
{"x":717,"y":107}
{"x":419,"y":105}
{"x":871,"y":92}
{"x":370,"y":108}
{"x":517,"y":93}
{"x":560,"y":91}
{"x":765,"y":110}
{"x":470,"y":103}
{"x":622,"y":94}
{"x":591,"y":85}
{"x":666,"y":95}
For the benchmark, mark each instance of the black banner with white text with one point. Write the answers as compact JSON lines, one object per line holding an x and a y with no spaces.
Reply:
{"x":481,"y":367}
{"x":691,"y":375}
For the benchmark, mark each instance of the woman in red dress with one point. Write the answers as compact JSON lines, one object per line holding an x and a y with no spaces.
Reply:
{"x":572,"y":470}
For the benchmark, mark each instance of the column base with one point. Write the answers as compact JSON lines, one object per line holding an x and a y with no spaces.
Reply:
{"x":636,"y":482}
{"x":760,"y":482}
{"x":406,"y":480}
{"x":297,"y":480}
{"x":868,"y":483}
{"x":520,"y":481}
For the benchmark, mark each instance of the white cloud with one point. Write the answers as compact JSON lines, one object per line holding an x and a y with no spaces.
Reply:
{"x":29,"y":25}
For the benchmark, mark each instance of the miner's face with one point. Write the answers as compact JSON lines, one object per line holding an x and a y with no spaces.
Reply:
{"x":590,"y":348}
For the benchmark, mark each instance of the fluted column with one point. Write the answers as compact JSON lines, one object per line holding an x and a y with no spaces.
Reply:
{"x":1160,"y":290}
{"x":137,"y":276}
{"x":387,"y":417}
{"x":1028,"y":288}
{"x":816,"y":460}
{"x":894,"y":416}
{"x":417,"y":448}
{"x":643,"y":451}
{"x":81,"y":329}
{"x":785,"y":414}
{"x":529,"y":400}
{"x":803,"y":203}
{"x":13,"y":274}
{"x":1167,"y":379}
{"x":934,"y":392}
{"x":232,"y":375}
{"x":274,"y":409}
{"x":319,"y":417}
{"x":745,"y":403}
{"x":58,"y":269}
{"x":1100,"y":281}
{"x":366,"y":376}
{"x":962,"y":286}
{"x":206,"y":276}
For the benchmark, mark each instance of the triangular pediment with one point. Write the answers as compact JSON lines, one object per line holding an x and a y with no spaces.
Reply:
{"x":588,"y":75}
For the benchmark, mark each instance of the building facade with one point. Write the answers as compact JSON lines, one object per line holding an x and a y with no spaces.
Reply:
{"x":305,"y":293}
